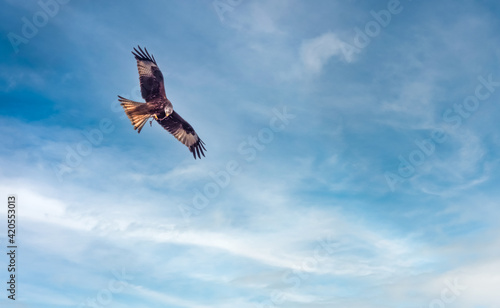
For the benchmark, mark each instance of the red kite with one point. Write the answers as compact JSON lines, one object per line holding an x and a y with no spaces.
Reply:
{"x":158,"y":105}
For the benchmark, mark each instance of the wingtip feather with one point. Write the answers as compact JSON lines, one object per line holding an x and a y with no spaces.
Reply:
{"x":143,"y":55}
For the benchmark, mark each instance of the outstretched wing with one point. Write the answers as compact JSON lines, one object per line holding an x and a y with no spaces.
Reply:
{"x":184,"y":132}
{"x":150,"y":76}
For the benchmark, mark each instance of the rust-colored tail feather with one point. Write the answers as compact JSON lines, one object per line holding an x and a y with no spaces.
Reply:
{"x":136,"y":112}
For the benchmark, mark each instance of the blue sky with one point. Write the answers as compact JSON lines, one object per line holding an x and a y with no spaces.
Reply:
{"x":353,"y":154}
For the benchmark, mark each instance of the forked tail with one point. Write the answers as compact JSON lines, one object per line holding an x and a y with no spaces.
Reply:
{"x":137,"y":112}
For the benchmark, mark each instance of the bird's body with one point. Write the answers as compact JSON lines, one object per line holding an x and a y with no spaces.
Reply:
{"x":158,"y":105}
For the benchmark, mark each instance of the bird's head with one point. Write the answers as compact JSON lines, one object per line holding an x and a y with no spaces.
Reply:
{"x":168,"y":110}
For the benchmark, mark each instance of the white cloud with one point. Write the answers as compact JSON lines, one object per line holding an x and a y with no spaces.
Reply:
{"x":316,"y":52}
{"x":467,"y":286}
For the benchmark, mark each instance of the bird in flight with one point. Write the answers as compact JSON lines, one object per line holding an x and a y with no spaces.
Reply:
{"x":158,"y":106}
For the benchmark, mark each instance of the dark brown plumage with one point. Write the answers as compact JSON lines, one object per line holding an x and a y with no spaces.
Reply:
{"x":158,"y":105}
